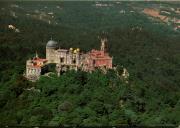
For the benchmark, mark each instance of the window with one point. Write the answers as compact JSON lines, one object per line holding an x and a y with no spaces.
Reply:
{"x":74,"y":61}
{"x":62,"y":60}
{"x":94,"y":62}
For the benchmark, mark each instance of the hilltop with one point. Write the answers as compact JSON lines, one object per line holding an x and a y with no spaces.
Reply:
{"x":146,"y":46}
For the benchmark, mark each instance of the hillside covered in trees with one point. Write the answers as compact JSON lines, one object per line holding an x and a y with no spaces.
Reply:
{"x":148,"y":48}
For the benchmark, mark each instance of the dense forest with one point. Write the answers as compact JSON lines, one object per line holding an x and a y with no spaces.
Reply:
{"x":148,"y":49}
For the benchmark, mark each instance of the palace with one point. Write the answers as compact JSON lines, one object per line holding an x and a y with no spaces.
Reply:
{"x":68,"y":59}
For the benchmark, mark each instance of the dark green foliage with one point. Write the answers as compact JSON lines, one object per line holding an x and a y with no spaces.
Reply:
{"x":67,"y":100}
{"x":51,"y":67}
{"x":150,"y":54}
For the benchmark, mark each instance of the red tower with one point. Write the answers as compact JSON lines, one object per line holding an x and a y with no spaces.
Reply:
{"x":98,"y":58}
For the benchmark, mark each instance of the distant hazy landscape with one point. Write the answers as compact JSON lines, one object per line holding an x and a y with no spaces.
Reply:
{"x":143,"y":37}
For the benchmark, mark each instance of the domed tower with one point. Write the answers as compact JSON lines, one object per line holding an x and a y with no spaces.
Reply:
{"x":51,"y":46}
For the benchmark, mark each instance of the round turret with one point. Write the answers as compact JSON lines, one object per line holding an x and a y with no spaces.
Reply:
{"x":78,"y":50}
{"x":75,"y":51}
{"x":51,"y":44}
{"x":71,"y":49}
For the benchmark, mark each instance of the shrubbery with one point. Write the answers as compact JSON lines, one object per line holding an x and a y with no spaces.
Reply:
{"x":151,"y":56}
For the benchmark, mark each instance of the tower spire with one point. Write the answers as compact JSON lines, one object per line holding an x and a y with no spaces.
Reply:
{"x":103,"y":43}
{"x":37,"y":55}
